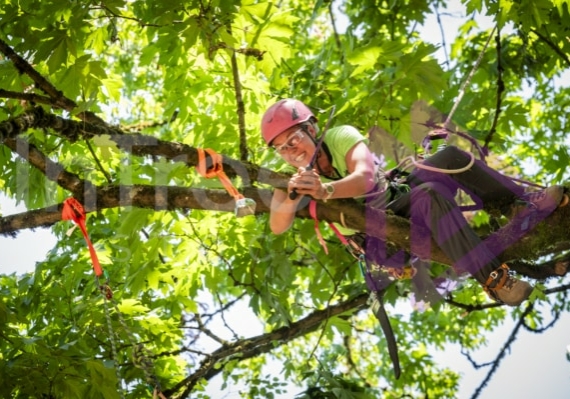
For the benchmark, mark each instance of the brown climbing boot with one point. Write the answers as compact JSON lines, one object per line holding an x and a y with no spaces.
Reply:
{"x":539,"y":202}
{"x":502,"y":287}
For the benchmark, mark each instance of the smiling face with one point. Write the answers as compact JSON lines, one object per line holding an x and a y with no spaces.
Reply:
{"x":295,"y":146}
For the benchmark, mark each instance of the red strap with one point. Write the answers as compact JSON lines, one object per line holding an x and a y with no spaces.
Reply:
{"x":217,"y":169}
{"x":73,"y":210}
{"x":313,"y":213}
{"x":340,"y":236}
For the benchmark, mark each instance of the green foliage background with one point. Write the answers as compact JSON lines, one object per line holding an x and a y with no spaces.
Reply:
{"x":169,"y":69}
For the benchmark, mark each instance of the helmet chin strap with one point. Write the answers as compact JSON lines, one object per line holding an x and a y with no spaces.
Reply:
{"x":323,"y":151}
{"x":306,"y":127}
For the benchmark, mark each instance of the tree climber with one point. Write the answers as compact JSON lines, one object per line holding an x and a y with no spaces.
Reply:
{"x":346,"y":168}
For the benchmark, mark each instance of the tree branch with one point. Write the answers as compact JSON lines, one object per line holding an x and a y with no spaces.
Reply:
{"x":510,"y":340}
{"x":57,"y":97}
{"x":58,"y":100}
{"x":54,"y":171}
{"x":500,"y":90}
{"x":29,"y":97}
{"x":249,"y":348}
{"x":553,"y":46}
{"x":135,"y":144}
{"x":240,"y":109}
{"x":508,"y":243}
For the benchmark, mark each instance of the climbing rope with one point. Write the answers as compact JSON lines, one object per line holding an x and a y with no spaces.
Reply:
{"x":243,"y":206}
{"x":112,"y":339}
{"x":467,"y":81}
{"x":443,"y":132}
{"x":73,"y":210}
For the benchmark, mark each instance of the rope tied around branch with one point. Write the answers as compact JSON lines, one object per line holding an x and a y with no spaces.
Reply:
{"x":243,"y":206}
{"x":216,"y":169}
{"x":73,"y":210}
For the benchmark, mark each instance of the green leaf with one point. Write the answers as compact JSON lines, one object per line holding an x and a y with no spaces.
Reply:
{"x":132,"y":306}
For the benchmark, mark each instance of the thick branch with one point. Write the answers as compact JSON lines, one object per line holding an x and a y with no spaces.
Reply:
{"x":136,"y":144}
{"x":24,"y":67}
{"x":509,"y":243}
{"x":57,"y":97}
{"x":249,"y":348}
{"x":52,"y":170}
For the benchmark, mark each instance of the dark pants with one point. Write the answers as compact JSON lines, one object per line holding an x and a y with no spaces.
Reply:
{"x":431,"y":208}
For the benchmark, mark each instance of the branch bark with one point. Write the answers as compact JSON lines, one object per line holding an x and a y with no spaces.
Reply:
{"x":252,"y":347}
{"x":509,"y":242}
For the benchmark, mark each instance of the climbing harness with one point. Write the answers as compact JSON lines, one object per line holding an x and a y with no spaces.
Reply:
{"x":395,"y":184}
{"x":73,"y":210}
{"x":243,"y":206}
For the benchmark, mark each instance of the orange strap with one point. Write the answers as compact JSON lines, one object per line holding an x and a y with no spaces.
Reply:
{"x":216,"y":170}
{"x":73,"y":210}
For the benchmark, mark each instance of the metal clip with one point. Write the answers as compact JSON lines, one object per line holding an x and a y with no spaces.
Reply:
{"x":244,"y":207}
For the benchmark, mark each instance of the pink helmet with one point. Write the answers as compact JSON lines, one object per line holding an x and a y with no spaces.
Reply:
{"x":281,"y":116}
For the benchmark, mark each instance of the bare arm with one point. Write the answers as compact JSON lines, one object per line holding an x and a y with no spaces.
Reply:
{"x":282,"y":211}
{"x":360,"y":180}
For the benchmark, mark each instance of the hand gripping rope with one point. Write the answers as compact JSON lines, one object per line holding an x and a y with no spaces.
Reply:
{"x":73,"y":210}
{"x":244,"y":206}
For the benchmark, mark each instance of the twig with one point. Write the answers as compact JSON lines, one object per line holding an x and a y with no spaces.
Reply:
{"x":160,"y":256}
{"x":475,"y":365}
{"x":196,"y":237}
{"x":328,"y":305}
{"x":58,"y":100}
{"x":352,"y":365}
{"x":224,"y":307}
{"x":561,"y":288}
{"x":540,"y":330}
{"x":29,"y":97}
{"x":510,"y":340}
{"x":105,"y":173}
{"x":500,"y":90}
{"x":442,"y":32}
{"x":202,"y":327}
{"x":553,"y":46}
{"x":240,"y":109}
{"x":472,"y":307}
{"x":115,"y":15}
{"x":335,"y":32}
{"x":222,"y":315}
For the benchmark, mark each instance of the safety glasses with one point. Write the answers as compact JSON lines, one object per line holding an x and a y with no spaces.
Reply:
{"x":292,"y":141}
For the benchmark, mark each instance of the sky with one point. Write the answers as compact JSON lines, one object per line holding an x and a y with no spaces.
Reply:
{"x":535,"y":367}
